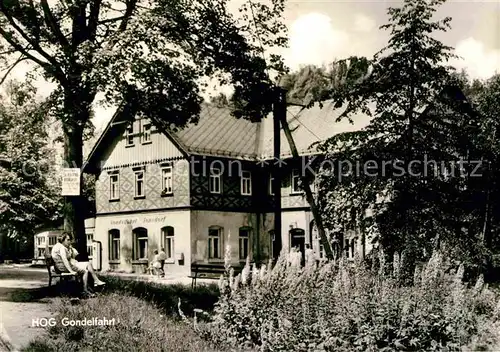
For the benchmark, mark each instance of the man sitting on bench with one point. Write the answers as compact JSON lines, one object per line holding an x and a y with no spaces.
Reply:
{"x":63,"y":256}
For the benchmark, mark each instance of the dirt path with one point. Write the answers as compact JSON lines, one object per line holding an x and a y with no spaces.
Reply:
{"x":18,"y":325}
{"x":24,"y":296}
{"x":21,"y":301}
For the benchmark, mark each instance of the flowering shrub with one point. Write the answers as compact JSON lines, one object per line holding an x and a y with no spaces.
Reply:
{"x":347,"y":306}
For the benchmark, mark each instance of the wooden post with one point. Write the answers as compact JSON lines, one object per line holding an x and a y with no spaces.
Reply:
{"x":279,"y":112}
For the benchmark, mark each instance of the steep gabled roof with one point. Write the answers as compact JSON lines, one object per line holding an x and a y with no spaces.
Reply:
{"x":217,"y":133}
{"x":309,"y":126}
{"x":220,"y":134}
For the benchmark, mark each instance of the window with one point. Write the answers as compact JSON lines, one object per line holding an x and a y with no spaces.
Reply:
{"x":140,"y":249}
{"x":214,"y":242}
{"x":353,"y":246}
{"x":271,"y":181}
{"x":346,"y":248}
{"x":114,"y":186}
{"x":41,"y":252}
{"x":166,"y":179}
{"x":295,"y":181}
{"x":244,"y":240}
{"x":246,"y":183}
{"x":90,"y":239}
{"x":114,"y":244}
{"x":314,"y":186}
{"x":146,"y":133}
{"x":272,"y":239}
{"x":52,"y":240}
{"x":168,"y":241}
{"x":315,"y":235}
{"x":139,"y":183}
{"x":215,"y":180}
{"x":321,"y":250}
{"x":129,"y":135}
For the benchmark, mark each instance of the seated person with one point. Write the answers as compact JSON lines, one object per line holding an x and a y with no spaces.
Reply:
{"x":155,"y":267}
{"x":162,"y":256}
{"x":64,"y":259}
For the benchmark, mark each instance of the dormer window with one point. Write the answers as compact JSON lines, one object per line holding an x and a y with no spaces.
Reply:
{"x":146,"y":133}
{"x":129,"y":136}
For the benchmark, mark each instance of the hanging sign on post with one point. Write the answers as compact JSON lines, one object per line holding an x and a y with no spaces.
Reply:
{"x":70,"y":182}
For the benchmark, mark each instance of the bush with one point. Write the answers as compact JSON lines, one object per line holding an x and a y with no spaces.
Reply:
{"x":349,"y":307}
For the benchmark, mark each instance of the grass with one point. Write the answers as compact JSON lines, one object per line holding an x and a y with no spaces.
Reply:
{"x":139,"y":327}
{"x":148,"y":318}
{"x":166,"y":297}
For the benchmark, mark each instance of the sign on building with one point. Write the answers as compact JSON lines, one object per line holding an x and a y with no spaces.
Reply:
{"x":70,"y":182}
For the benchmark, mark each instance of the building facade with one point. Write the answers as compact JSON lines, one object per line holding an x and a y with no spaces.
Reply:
{"x":45,"y":240}
{"x":198,"y":190}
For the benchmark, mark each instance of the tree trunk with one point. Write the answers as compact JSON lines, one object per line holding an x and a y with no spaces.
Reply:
{"x":485,"y":235}
{"x":309,"y":196}
{"x":74,"y":206}
{"x":279,"y":113}
{"x":410,"y":245}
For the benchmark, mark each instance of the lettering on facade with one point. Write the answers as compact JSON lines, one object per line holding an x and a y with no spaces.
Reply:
{"x":134,"y":221}
{"x":124,"y":222}
{"x":154,"y":220}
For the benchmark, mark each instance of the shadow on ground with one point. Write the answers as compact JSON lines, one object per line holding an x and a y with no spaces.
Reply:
{"x":25,"y":285}
{"x":39,"y":294}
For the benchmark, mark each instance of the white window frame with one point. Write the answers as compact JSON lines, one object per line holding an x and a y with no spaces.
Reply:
{"x":215,"y":246}
{"x":137,"y":240}
{"x":295,"y":175}
{"x":215,"y":181}
{"x":321,"y":248}
{"x":167,"y":183}
{"x":129,"y":135}
{"x":246,"y":183}
{"x":314,"y":185}
{"x":244,"y":242}
{"x":146,"y":132}
{"x":271,"y":180}
{"x":90,"y":239}
{"x":52,"y":240}
{"x":272,"y":238}
{"x":168,"y":239}
{"x":116,"y":195}
{"x":136,"y":182}
{"x":114,"y":240}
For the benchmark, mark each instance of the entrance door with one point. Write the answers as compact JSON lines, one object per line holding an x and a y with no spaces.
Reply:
{"x":298,"y":240}
{"x":274,"y":245}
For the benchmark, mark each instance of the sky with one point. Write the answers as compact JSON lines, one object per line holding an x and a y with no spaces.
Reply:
{"x":322,"y":31}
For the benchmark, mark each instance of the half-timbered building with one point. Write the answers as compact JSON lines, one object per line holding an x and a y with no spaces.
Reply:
{"x":194,"y":191}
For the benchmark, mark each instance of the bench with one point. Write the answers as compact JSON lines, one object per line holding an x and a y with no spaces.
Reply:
{"x":53,"y":272}
{"x":203,"y":270}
